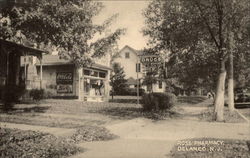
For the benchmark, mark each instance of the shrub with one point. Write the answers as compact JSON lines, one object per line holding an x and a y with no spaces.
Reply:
{"x":37,"y":94}
{"x":158,"y":101}
{"x":133,"y":91}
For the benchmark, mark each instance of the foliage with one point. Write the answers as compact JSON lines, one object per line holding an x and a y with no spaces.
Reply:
{"x":158,"y":101}
{"x":66,"y":25}
{"x":229,"y":148}
{"x":133,"y":91}
{"x":150,"y":79}
{"x":92,"y":133}
{"x":37,"y":94}
{"x":118,"y":81}
{"x":18,"y":143}
{"x":194,"y":33}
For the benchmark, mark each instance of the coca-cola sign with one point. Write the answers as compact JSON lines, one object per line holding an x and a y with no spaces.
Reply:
{"x":64,"y":78}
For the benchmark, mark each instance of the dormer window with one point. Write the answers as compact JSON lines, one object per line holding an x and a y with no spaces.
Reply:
{"x":127,"y":55}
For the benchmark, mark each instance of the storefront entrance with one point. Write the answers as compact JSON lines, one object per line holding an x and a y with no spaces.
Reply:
{"x":94,"y":85}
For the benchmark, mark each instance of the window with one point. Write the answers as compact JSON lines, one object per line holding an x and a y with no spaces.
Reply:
{"x":94,"y":73}
{"x":86,"y":72}
{"x":127,"y":55}
{"x":160,"y":84}
{"x":102,"y":74}
{"x":94,"y":87}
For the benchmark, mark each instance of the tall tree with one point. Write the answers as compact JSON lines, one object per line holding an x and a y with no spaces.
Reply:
{"x":198,"y":29}
{"x":118,"y":81}
{"x":65,"y":24}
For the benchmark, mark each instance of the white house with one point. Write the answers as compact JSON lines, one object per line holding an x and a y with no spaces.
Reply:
{"x":128,"y":58}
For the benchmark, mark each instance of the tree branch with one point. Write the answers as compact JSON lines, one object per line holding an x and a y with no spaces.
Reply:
{"x":207,"y":24}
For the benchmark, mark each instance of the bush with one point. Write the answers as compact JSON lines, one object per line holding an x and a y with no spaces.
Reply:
{"x":37,"y":94}
{"x":133,"y":91}
{"x":158,"y":101}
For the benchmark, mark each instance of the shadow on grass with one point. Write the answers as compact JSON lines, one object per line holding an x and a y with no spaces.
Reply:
{"x":191,"y":99}
{"x":121,"y":112}
{"x":126,"y":113}
{"x":128,"y":101}
{"x":38,"y":109}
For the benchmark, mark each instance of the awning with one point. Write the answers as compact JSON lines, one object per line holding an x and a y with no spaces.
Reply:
{"x":25,"y":50}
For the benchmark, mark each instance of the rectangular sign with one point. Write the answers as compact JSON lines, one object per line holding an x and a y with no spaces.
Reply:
{"x":64,"y":88}
{"x":64,"y":81}
{"x":64,"y":78}
{"x":151,"y":59}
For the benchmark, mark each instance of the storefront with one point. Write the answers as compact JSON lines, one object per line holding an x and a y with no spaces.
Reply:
{"x":63,"y":79}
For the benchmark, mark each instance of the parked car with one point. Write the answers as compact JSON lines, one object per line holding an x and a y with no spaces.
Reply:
{"x":242,"y":97}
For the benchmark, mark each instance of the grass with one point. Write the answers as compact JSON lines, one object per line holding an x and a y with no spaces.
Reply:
{"x":18,"y":143}
{"x":76,"y":114}
{"x":229,"y":117}
{"x":225,"y":148}
{"x":92,"y":133}
{"x":190,"y":100}
{"x":245,"y":112}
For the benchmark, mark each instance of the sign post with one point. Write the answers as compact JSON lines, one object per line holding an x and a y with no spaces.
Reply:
{"x":152,"y":62}
{"x":138,"y":69}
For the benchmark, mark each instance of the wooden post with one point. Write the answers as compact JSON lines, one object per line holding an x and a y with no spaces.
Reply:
{"x":41,"y":73}
{"x":7,"y":68}
{"x":25,"y":69}
{"x":80,"y":84}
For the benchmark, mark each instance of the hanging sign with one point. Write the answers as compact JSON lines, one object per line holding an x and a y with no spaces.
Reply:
{"x":152,"y":61}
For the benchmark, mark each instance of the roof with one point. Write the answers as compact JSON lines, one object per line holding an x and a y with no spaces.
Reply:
{"x":131,"y":81}
{"x":50,"y":60}
{"x":23,"y":49}
{"x":137,"y":52}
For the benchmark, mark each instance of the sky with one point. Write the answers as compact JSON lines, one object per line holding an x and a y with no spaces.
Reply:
{"x":130,"y":17}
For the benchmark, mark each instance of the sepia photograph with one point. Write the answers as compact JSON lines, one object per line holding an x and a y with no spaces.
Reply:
{"x":124,"y":79}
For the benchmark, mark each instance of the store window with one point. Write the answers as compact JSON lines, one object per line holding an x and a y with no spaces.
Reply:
{"x":86,"y":72}
{"x":102,"y":74}
{"x":160,"y":84}
{"x":94,"y":73}
{"x":94,"y":87}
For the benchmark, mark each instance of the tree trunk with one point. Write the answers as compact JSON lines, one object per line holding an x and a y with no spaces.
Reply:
{"x":230,"y":75}
{"x":220,"y":90}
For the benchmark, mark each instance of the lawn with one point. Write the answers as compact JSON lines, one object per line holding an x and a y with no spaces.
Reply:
{"x":229,"y":117}
{"x":18,"y":143}
{"x":245,"y":112}
{"x":211,"y":148}
{"x":76,"y":114}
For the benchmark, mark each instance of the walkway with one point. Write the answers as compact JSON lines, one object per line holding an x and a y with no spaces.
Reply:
{"x":142,"y":138}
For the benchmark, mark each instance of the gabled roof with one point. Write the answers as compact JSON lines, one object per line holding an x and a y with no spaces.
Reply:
{"x":50,"y":60}
{"x":131,"y":81}
{"x":137,"y":52}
